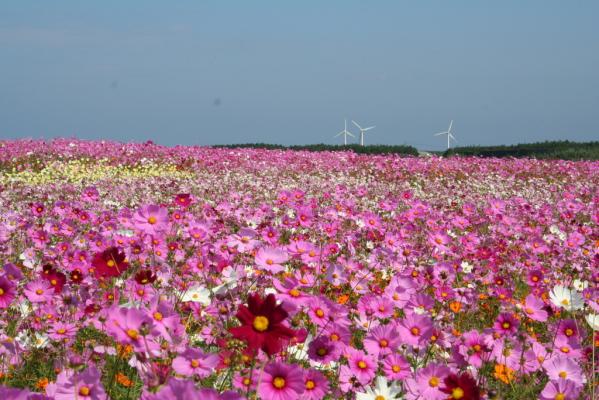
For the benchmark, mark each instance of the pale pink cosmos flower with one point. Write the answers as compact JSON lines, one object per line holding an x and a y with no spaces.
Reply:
{"x":271,"y":259}
{"x":195,"y":362}
{"x":151,"y":219}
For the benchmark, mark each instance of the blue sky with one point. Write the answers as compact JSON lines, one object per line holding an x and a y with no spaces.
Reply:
{"x":207,"y":72}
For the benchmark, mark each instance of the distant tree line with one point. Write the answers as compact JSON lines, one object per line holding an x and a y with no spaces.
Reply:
{"x":564,"y":150}
{"x":356,"y":148}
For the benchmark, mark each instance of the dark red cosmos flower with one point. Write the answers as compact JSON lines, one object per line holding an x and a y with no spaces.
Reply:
{"x":145,"y":276}
{"x":109,"y":263}
{"x":262,"y":324}
{"x":461,"y":387}
{"x":56,"y":278}
{"x":183,"y":200}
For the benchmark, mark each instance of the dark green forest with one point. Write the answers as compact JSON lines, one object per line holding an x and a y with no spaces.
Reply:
{"x":356,"y":148}
{"x":564,"y":150}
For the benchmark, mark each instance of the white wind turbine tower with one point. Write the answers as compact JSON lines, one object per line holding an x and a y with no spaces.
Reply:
{"x":362,"y":130}
{"x":345,"y":134}
{"x":448,"y":133}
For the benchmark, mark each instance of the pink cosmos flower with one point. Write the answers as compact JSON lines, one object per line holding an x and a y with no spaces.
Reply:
{"x":395,"y":367}
{"x":195,"y":362}
{"x":474,"y":350}
{"x":151,"y":219}
{"x":85,"y":385}
{"x":175,"y":389}
{"x":130,"y":326}
{"x":62,"y":331}
{"x":415,"y":330}
{"x":561,"y":367}
{"x":270,"y":259}
{"x":316,"y":385}
{"x":281,"y":382}
{"x":533,"y":308}
{"x":363,"y":367}
{"x":7,"y":292}
{"x":562,"y":389}
{"x":39,"y":291}
{"x":427,"y":383}
{"x":381,"y":340}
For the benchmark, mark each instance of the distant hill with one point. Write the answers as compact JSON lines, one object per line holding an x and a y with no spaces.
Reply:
{"x":356,"y":148}
{"x":564,"y":150}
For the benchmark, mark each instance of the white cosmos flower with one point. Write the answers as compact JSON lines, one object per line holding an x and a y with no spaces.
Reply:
{"x":380,"y":391}
{"x":467,"y":268}
{"x":580,"y":285}
{"x":565,"y":298}
{"x":197,"y":294}
{"x":593,"y":321}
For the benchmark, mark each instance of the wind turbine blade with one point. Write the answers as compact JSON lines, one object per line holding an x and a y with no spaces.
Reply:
{"x":440,"y":133}
{"x":369,"y":128}
{"x":356,"y":124}
{"x":450,"y":124}
{"x":339,"y":134}
{"x":350,"y":134}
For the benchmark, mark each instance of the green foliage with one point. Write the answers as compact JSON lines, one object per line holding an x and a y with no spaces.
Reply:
{"x":356,"y":148}
{"x":564,"y":150}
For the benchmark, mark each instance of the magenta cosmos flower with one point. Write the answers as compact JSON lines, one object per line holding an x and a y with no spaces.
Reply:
{"x":396,"y":367}
{"x":506,"y":324}
{"x":85,"y":385}
{"x":270,"y":259}
{"x":281,"y":382}
{"x":151,"y":219}
{"x":195,"y":362}
{"x":316,"y":385}
{"x":7,"y":292}
{"x":533,"y":308}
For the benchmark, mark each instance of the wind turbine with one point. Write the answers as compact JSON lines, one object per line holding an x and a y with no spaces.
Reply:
{"x":448,"y":133}
{"x":362,"y":130}
{"x":345,"y":134}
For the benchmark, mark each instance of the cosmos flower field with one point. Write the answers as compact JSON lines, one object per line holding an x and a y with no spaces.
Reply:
{"x":139,"y":271}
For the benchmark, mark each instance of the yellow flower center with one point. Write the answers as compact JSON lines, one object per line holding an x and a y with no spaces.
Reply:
{"x":53,"y":282}
{"x":61,"y":331}
{"x":157,"y":316}
{"x":195,"y":363}
{"x":565,"y":302}
{"x":261,"y":324}
{"x":396,"y":368}
{"x":310,"y":384}
{"x":433,"y":382}
{"x":383,"y":343}
{"x":415,"y":331}
{"x":529,"y":310}
{"x":334,"y":337}
{"x":84,"y":391}
{"x":270,"y":262}
{"x":560,"y":396}
{"x":39,"y":292}
{"x":110,"y":263}
{"x":565,"y":349}
{"x":362,"y":364}
{"x":133,"y":334}
{"x":278,"y":382}
{"x":379,"y":397}
{"x":294,"y":292}
{"x":569,"y":332}
{"x":505,"y":325}
{"x":1,"y":291}
{"x":563,"y":374}
{"x":247,"y":381}
{"x":321,"y":352}
{"x":476,"y":347}
{"x":319,"y":313}
{"x":457,"y":393}
{"x":152,"y":220}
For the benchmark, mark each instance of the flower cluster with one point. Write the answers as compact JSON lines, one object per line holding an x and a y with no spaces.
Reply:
{"x":136,"y":271}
